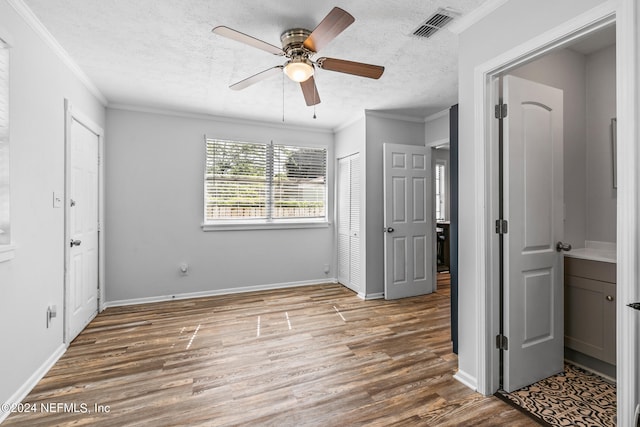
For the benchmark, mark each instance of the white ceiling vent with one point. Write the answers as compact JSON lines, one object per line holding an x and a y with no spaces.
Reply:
{"x":435,"y":23}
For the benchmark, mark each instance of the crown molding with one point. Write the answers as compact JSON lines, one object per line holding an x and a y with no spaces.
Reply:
{"x":466,"y":21}
{"x":36,"y":25}
{"x":357,"y":117}
{"x":436,"y":116}
{"x":5,"y":37}
{"x":211,"y":117}
{"x":402,"y":117}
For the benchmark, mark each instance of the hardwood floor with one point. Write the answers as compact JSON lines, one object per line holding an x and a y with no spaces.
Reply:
{"x":309,"y":356}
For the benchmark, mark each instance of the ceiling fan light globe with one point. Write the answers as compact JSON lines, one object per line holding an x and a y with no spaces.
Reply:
{"x":299,"y":71}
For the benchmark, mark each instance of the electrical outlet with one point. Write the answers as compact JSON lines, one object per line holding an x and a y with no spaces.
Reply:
{"x":327,"y":269}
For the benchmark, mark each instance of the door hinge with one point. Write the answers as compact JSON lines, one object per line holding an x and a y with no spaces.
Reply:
{"x":502,"y":342}
{"x":501,"y":111}
{"x":502,"y":226}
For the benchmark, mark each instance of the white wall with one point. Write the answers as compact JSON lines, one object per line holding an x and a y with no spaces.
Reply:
{"x":521,"y":20}
{"x":154,"y":209}
{"x":381,"y":129}
{"x":601,"y":108}
{"x":566,"y":70}
{"x":39,"y":83}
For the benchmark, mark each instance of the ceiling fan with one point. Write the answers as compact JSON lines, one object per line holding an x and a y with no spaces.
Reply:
{"x":299,"y":45}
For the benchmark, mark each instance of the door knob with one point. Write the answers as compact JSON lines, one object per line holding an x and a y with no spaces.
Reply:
{"x":75,"y":242}
{"x":389,"y":230}
{"x":563,"y":247}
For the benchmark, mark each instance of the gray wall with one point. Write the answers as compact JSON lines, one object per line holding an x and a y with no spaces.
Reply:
{"x":436,"y":129}
{"x":522,"y":20}
{"x":566,"y":70}
{"x":349,"y":140}
{"x":589,"y":86}
{"x":381,"y":129}
{"x":154,"y":209}
{"x":601,"y":108}
{"x":33,"y":280}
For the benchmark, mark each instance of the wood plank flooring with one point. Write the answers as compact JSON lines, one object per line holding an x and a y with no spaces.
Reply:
{"x":308,"y":356}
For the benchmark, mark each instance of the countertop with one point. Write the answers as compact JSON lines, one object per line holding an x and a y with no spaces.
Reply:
{"x":595,"y":251}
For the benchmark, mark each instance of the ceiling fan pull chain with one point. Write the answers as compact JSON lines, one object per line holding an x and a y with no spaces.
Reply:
{"x":282,"y":97}
{"x":315,"y":92}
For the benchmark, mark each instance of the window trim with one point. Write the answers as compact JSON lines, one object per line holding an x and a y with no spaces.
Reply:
{"x":443,"y":184}
{"x":232,"y":225}
{"x":7,"y":249}
{"x":262,"y":223}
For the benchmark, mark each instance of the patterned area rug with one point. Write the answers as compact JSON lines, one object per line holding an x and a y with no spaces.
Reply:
{"x":574,"y":397}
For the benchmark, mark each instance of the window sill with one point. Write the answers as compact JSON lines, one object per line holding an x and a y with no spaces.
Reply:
{"x":7,"y":252}
{"x":233,"y":226}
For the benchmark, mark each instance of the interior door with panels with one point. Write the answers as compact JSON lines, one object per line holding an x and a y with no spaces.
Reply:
{"x":409,"y":221}
{"x":533,"y":192}
{"x":83,"y":228}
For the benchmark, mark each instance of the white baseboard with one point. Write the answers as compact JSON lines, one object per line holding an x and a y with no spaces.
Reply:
{"x":215,"y":292}
{"x":378,"y":295}
{"x":466,"y":379}
{"x":33,"y":380}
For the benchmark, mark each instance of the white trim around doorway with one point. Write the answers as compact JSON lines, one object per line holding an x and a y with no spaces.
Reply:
{"x":625,"y":14}
{"x":72,"y":113}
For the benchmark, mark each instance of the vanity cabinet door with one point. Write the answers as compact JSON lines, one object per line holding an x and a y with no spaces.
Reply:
{"x":590,"y":317}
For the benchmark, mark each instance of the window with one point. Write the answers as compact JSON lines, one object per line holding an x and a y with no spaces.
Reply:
{"x":265,"y":184}
{"x":5,"y":225}
{"x":440,"y":191}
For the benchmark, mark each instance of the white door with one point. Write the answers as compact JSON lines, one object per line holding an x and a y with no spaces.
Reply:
{"x":409,"y":224}
{"x":82,"y":284}
{"x":349,"y":222}
{"x":533,"y":191}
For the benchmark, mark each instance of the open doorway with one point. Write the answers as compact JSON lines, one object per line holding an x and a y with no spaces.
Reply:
{"x":578,"y":235}
{"x":484,"y":262}
{"x":585,"y":71}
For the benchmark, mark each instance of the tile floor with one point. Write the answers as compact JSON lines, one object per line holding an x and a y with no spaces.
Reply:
{"x":574,"y":397}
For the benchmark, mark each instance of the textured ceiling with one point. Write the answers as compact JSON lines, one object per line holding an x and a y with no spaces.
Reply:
{"x":162,"y":54}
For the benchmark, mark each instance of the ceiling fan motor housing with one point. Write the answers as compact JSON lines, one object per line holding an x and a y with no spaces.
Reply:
{"x":293,"y":43}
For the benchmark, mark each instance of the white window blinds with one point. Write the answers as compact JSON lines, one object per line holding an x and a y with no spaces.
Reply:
{"x":256,"y":182}
{"x":5,"y":235}
{"x":440,"y":191}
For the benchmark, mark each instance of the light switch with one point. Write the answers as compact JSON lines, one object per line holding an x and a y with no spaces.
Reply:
{"x":57,"y":200}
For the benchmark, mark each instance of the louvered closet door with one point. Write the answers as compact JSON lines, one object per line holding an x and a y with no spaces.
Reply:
{"x":349,"y":271}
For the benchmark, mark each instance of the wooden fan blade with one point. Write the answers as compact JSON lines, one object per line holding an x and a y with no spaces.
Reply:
{"x":310,"y":91}
{"x":333,"y":24}
{"x":356,"y":68}
{"x":246,"y":39}
{"x":263,"y":75}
